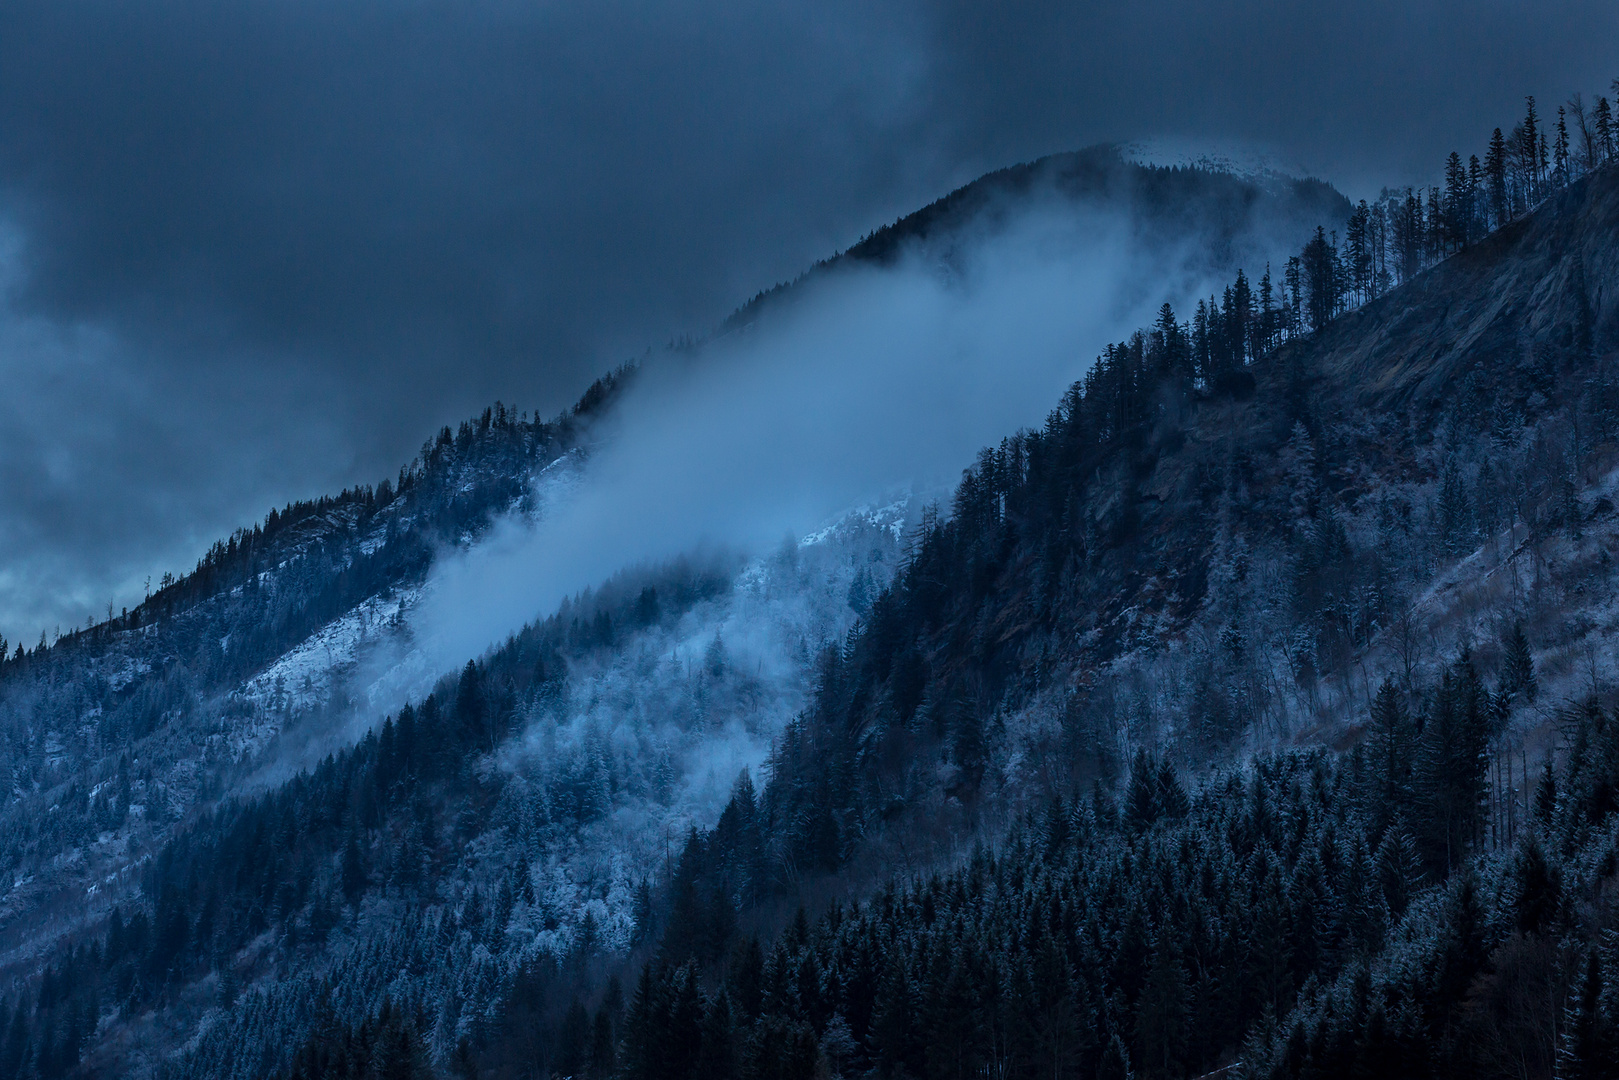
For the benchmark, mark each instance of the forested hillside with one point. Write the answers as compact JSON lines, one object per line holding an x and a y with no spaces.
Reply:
{"x":112,"y":734}
{"x":1277,"y":524}
{"x":1253,"y":714}
{"x":1233,"y":217}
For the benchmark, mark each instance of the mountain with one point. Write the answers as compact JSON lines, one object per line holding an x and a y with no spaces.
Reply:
{"x":1233,"y":218}
{"x":1346,"y":549}
{"x":1211,"y":725}
{"x":273,"y":651}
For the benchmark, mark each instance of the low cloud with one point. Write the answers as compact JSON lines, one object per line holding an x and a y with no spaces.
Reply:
{"x":265,"y":247}
{"x":871,"y":378}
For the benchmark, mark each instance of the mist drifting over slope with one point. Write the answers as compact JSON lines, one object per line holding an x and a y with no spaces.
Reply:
{"x":869,"y":379}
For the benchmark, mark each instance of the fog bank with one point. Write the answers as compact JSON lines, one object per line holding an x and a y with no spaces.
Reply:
{"x":872,"y":378}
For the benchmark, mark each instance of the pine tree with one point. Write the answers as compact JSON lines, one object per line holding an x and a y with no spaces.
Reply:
{"x":1161,"y":1012}
{"x":573,"y":1041}
{"x":1518,"y":666}
{"x":1321,"y":279}
{"x":1535,"y":889}
{"x":1495,"y":171}
{"x":1451,"y":764}
{"x":1170,"y":797}
{"x":1141,"y":805}
{"x":1456,"y":530}
{"x":644,"y":1026}
{"x":1586,"y":1049}
{"x":1358,"y":252}
{"x":1528,"y":150}
{"x":1115,"y":1064}
{"x":603,"y":1041}
{"x":1409,"y":235}
{"x":1560,"y":163}
{"x":1242,"y":320}
{"x":1475,"y":184}
{"x":716,"y":1059}
{"x":353,"y":870}
{"x":1391,"y":727}
{"x":1545,"y":808}
{"x":1458,"y":210}
{"x":1293,"y":278}
{"x":1267,"y":312}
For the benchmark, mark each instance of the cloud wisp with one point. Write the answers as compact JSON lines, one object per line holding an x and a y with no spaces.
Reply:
{"x":871,"y":379}
{"x":277,"y":242}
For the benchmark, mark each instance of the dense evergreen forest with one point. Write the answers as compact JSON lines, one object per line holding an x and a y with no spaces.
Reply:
{"x":77,"y":714}
{"x":1306,"y":914}
{"x":1137,"y":760}
{"x":1413,"y":906}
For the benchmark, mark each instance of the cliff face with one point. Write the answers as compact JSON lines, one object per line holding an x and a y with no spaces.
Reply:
{"x":1536,"y":298}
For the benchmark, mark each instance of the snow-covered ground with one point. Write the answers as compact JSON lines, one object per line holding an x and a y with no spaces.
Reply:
{"x":1245,"y":160}
{"x":306,"y":677}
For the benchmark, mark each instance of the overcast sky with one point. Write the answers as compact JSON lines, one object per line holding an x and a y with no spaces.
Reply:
{"x":257,"y":250}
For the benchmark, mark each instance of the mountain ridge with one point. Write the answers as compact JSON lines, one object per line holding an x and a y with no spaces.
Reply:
{"x":1072,"y":176}
{"x":1014,"y":659}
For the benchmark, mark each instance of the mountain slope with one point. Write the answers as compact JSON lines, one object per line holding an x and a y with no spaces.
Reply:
{"x":161,"y":704}
{"x":1166,"y":565}
{"x":175,"y":703}
{"x":1161,"y":566}
{"x":1237,"y":218}
{"x":516,"y":827}
{"x":1396,"y":539}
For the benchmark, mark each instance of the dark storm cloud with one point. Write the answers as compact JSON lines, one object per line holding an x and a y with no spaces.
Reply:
{"x":371,"y":177}
{"x":262,"y":249}
{"x":256,"y":250}
{"x":1366,"y":91}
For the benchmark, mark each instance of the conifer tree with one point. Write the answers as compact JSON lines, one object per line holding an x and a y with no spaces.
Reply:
{"x":1560,"y":162}
{"x":1141,"y":801}
{"x":1358,"y":252}
{"x":1391,"y":725}
{"x":1535,"y":889}
{"x":1115,"y":1063}
{"x":1586,"y":1049}
{"x":1495,"y":171}
{"x":1518,"y":666}
{"x":1321,"y":279}
{"x":1457,"y":200}
{"x":1450,"y":771}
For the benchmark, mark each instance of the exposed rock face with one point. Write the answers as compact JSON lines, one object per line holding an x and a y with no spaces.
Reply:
{"x":1538,"y":297}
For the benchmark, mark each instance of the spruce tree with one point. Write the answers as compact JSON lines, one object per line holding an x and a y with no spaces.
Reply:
{"x":1535,"y":889}
{"x":1115,"y":1063}
{"x":1560,"y":163}
{"x":1528,"y":151}
{"x":1495,"y":171}
{"x":1457,"y":210}
{"x":1392,"y":730}
{"x":1141,"y":805}
{"x":1321,"y":279}
{"x":1518,"y":666}
{"x":1585,"y":1051}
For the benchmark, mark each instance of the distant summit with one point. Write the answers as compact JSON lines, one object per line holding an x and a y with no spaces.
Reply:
{"x":1245,"y":161}
{"x":1165,"y":202}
